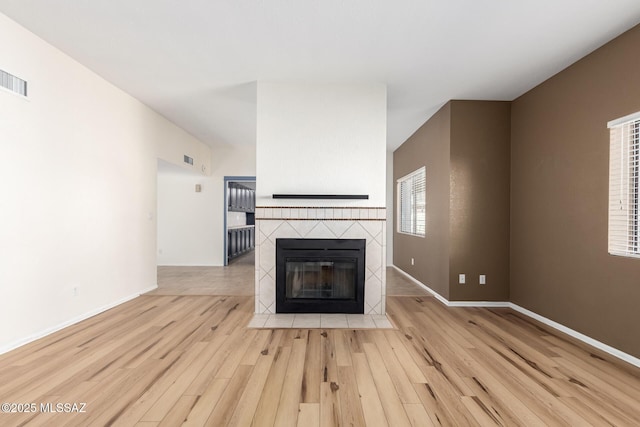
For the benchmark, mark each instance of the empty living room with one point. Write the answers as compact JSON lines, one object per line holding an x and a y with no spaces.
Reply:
{"x":304,"y":213}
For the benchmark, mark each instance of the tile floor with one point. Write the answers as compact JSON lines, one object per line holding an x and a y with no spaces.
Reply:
{"x":313,"y":321}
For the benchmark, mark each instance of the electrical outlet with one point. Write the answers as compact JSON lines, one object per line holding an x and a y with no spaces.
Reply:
{"x":461,"y":279}
{"x":75,"y":291}
{"x":413,"y":262}
{"x":483,"y":279}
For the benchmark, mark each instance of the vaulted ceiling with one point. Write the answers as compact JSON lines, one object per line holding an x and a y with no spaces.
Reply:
{"x":197,"y":61}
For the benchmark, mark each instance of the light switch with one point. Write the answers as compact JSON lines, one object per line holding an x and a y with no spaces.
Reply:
{"x":483,"y":279}
{"x":461,"y":279}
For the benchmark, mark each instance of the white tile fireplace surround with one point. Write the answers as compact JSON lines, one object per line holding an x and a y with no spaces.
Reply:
{"x":321,"y":223}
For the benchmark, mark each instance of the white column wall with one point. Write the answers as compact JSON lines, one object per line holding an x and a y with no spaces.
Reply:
{"x":321,"y":138}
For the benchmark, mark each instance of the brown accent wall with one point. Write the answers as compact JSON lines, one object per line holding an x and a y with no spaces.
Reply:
{"x":560,"y":267}
{"x":428,"y":146}
{"x":465,"y":148}
{"x":479,"y":200}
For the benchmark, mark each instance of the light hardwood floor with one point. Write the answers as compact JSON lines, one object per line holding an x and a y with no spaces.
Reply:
{"x":163,"y":360}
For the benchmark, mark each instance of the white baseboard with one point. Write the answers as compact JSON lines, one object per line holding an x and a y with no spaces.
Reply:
{"x":19,"y":343}
{"x":575,"y":334}
{"x":488,"y":304}
{"x":422,"y":285}
{"x":452,"y":303}
{"x":555,"y":325}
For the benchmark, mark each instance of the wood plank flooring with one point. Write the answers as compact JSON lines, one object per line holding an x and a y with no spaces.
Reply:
{"x":163,"y":360}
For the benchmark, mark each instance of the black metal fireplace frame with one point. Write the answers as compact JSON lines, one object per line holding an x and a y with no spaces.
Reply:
{"x":320,"y":250}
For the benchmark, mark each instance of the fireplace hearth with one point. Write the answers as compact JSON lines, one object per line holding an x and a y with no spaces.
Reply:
{"x":320,"y":275}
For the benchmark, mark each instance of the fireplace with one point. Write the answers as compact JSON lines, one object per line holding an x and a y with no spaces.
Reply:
{"x":320,"y":275}
{"x":321,"y":222}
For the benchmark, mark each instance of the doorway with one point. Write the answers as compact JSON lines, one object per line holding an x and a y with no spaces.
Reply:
{"x":239,"y":217}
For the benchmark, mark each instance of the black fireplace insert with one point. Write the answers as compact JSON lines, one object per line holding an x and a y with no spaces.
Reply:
{"x":320,"y":275}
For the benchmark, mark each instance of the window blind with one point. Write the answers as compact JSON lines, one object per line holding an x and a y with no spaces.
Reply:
{"x":412,"y":203}
{"x":624,"y":176}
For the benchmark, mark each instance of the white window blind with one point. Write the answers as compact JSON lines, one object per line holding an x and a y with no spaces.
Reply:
{"x":412,"y":203}
{"x":624,"y":175}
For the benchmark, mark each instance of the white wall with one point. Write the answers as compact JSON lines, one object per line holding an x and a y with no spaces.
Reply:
{"x":171,"y":152}
{"x":321,"y":138}
{"x":184,"y":218}
{"x":77,"y":190}
{"x":190,"y":224}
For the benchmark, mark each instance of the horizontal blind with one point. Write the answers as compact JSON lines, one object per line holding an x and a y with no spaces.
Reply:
{"x":412,"y":203}
{"x":624,"y":175}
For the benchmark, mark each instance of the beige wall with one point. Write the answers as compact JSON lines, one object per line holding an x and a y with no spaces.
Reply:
{"x":429,"y":147}
{"x":560,"y":267}
{"x":551,"y":258}
{"x":465,"y":148}
{"x":479,"y":200}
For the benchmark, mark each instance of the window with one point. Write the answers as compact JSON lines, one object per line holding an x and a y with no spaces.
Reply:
{"x":624,"y":173}
{"x":412,"y":203}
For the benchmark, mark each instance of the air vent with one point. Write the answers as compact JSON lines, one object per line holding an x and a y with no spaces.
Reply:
{"x":188,"y":160}
{"x":13,"y":83}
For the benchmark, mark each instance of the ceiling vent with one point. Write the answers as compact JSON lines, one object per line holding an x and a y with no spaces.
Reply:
{"x":13,"y":83}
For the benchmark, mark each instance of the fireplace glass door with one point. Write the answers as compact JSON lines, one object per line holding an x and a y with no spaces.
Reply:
{"x":321,"y":279}
{"x":320,"y":275}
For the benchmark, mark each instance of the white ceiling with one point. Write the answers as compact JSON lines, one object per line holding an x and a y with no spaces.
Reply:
{"x":197,"y":61}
